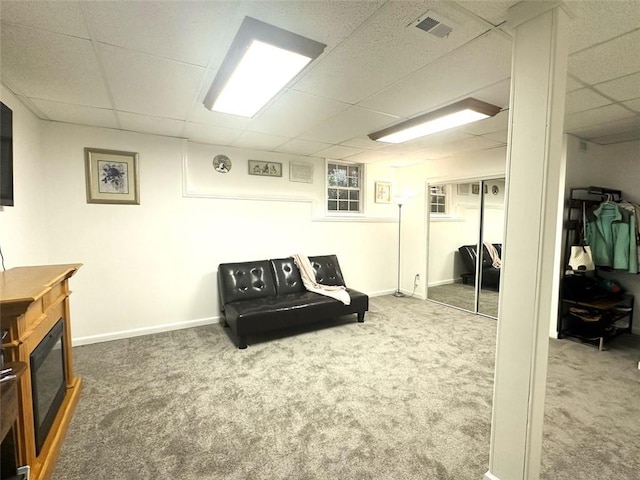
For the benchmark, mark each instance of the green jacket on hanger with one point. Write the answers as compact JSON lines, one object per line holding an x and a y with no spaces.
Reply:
{"x":612,"y":244}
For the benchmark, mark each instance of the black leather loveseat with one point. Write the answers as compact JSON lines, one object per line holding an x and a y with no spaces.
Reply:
{"x":490,"y":274}
{"x":265,"y":295}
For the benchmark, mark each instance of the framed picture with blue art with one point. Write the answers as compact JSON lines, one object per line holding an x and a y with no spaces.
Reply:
{"x":112,"y":176}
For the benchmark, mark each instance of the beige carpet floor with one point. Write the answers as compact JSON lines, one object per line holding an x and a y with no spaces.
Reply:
{"x":405,"y":395}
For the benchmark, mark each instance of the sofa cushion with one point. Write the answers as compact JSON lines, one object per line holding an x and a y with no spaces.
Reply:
{"x":327,"y":270}
{"x":245,"y":281}
{"x":268,"y":313}
{"x":287,"y":276}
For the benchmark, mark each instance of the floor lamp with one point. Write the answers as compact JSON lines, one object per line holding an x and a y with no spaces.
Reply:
{"x":399,"y":201}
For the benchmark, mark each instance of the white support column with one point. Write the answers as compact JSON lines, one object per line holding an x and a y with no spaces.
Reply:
{"x":534,"y":170}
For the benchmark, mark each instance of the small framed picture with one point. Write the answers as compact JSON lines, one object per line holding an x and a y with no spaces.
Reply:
{"x":265,"y":169}
{"x":301,"y":172}
{"x":383,"y":192}
{"x":475,"y":188}
{"x":112,"y":176}
{"x":463,"y":188}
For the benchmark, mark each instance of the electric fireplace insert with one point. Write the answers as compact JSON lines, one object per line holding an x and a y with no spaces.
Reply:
{"x":48,"y":381}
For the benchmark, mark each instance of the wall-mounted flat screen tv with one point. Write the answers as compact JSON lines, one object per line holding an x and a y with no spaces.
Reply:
{"x":6,"y":162}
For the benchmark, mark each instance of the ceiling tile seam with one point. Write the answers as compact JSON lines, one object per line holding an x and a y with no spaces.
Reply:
{"x":315,"y":95}
{"x":154,"y":117}
{"x":151,"y":55}
{"x":126,"y":130}
{"x":81,"y":105}
{"x":582,"y":112}
{"x":29,"y":104}
{"x":611,"y":99}
{"x":40,"y":29}
{"x":474,"y":16}
{"x":596,"y":45}
{"x":100,"y":63}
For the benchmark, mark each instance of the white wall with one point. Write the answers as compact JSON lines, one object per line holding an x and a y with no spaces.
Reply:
{"x":612,"y":166}
{"x":413,"y":180}
{"x":22,"y":227}
{"x":152,"y":267}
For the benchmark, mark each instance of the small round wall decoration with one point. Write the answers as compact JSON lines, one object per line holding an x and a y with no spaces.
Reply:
{"x":495,"y":189}
{"x":221,"y":163}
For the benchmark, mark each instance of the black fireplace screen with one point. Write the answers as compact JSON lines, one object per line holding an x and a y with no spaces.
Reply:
{"x":48,"y":382}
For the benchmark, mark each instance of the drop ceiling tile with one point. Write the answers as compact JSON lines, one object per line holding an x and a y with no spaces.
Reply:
{"x":144,"y":84}
{"x":471,"y":144}
{"x":589,"y":27}
{"x":501,"y":136}
{"x":338,"y":152}
{"x":77,"y":114}
{"x":633,"y":104}
{"x":301,"y":147}
{"x":258,"y":141}
{"x":59,"y":17}
{"x":573,"y":84}
{"x":584,"y":99}
{"x":483,"y":62}
{"x":607,"y":128}
{"x":364,"y":143}
{"x":353,"y":122}
{"x":200,"y":114}
{"x":617,"y":137}
{"x":354,"y":69}
{"x":184,"y":31}
{"x":153,"y":125}
{"x":613,"y":59}
{"x":373,"y":156}
{"x":623,"y":88}
{"x":494,"y":12}
{"x":332,"y":21}
{"x":294,"y":112}
{"x":496,"y":123}
{"x":51,"y":66}
{"x":496,"y":94}
{"x":211,"y":134}
{"x":596,"y":116}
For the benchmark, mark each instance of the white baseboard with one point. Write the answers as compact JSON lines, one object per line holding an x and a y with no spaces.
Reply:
{"x":445,"y":282}
{"x":168,"y":327}
{"x":138,"y":332}
{"x":407,"y":293}
{"x":381,"y":293}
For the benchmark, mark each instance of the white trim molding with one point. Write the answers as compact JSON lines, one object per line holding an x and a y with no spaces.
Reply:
{"x":138,"y":332}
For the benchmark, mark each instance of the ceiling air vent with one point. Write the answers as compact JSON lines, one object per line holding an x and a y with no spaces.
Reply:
{"x":435,"y":24}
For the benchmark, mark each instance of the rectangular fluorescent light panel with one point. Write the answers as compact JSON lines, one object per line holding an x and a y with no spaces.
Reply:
{"x":262,"y":60}
{"x":460,"y":113}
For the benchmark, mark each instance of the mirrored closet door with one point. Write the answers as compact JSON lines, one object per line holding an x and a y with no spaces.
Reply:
{"x":461,"y":217}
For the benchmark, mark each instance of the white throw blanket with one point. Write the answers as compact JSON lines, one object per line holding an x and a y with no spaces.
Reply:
{"x":495,"y":256}
{"x":309,"y":281}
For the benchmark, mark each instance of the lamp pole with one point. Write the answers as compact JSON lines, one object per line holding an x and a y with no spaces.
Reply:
{"x":398,"y":293}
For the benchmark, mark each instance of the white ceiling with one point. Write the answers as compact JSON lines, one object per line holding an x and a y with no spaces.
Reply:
{"x":146,"y":66}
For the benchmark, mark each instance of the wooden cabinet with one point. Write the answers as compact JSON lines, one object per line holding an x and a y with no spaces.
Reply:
{"x":32,"y":302}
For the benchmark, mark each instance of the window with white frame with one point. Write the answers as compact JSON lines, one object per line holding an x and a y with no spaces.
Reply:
{"x":344,"y":187}
{"x":438,"y":200}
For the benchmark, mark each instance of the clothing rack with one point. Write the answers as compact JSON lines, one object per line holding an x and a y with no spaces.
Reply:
{"x":583,"y":197}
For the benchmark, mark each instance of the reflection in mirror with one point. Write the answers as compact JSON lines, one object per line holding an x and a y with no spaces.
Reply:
{"x":492,"y":237}
{"x":454,"y":223}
